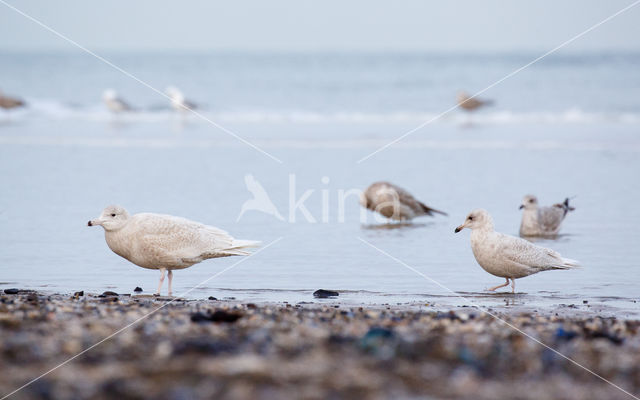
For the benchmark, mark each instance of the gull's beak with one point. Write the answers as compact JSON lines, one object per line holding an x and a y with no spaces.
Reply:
{"x":94,"y":222}
{"x":521,"y":207}
{"x":458,"y":229}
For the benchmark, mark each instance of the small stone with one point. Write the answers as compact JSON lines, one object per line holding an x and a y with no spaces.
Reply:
{"x":324,"y":294}
{"x":108,"y":293}
{"x":77,"y":295}
{"x":11,"y":291}
{"x":212,"y":298}
{"x":137,"y":289}
{"x":585,"y":302}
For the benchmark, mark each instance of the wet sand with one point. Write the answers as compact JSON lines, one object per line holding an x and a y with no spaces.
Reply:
{"x":236,"y":350}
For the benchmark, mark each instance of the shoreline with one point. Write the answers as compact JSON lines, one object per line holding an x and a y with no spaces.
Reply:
{"x":235,"y":349}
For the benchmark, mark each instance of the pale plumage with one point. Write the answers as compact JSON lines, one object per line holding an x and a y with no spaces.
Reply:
{"x":469,"y":103}
{"x":394,"y":202}
{"x":165,"y":242}
{"x":507,"y":256}
{"x":114,"y":103}
{"x":542,"y":221}
{"x":178,"y":100}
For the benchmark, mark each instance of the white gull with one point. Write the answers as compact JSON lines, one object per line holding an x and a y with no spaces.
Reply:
{"x":508,"y":256}
{"x":165,"y":242}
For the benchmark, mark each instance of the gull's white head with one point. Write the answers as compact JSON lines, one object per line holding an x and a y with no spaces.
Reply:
{"x":174,"y":93}
{"x":109,"y":94}
{"x":477,"y":219}
{"x":111,"y":219}
{"x":529,"y":202}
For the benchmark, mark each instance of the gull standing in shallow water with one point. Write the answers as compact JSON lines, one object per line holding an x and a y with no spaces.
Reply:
{"x":507,"y":256}
{"x":178,"y":101}
{"x":394,"y":202}
{"x":165,"y":242}
{"x":114,"y":103}
{"x":469,"y":103}
{"x":542,"y":221}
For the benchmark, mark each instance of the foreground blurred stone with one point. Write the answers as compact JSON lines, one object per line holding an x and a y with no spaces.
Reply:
{"x":200,"y":349}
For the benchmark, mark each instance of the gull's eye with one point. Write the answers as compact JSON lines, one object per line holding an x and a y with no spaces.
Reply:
{"x":531,"y":201}
{"x":470,"y":218}
{"x":113,"y":215}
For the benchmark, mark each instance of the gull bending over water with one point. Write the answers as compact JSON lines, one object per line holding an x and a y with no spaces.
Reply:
{"x":178,"y":101}
{"x":542,"y":221}
{"x":165,"y":242}
{"x":394,"y":202}
{"x":113,"y":102}
{"x":507,"y":256}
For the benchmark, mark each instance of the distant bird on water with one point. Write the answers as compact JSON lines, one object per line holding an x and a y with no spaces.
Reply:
{"x":165,"y":242}
{"x":178,"y":101}
{"x":542,"y":221}
{"x":114,"y":103}
{"x":507,"y":256}
{"x":10,"y":102}
{"x":394,"y":202}
{"x":468,"y":103}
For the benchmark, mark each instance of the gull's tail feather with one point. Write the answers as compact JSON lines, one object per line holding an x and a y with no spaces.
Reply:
{"x":238,"y":247}
{"x":428,"y":210}
{"x":568,"y":263}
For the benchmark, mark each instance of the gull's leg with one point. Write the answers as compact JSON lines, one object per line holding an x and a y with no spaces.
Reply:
{"x":170,"y":279}
{"x":162,"y":271}
{"x":513,"y":285}
{"x":499,"y":286}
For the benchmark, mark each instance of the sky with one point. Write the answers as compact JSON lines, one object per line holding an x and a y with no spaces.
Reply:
{"x":303,"y":25}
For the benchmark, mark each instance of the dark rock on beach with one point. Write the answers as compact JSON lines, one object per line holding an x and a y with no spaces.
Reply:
{"x":12,"y":291}
{"x":325,"y":294}
{"x":137,"y":289}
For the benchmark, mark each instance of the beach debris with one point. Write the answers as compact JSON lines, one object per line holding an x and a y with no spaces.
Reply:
{"x":508,"y":256}
{"x":165,"y":242}
{"x":542,"y":221}
{"x":394,"y":202}
{"x":325,"y":294}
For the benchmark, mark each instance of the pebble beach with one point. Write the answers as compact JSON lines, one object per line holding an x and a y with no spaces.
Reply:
{"x":166,"y":348}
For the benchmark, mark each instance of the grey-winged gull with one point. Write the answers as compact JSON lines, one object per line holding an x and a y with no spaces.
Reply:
{"x":469,"y":103}
{"x":542,"y":221}
{"x":394,"y":202}
{"x":165,"y":242}
{"x":508,"y":256}
{"x":178,"y":101}
{"x":114,"y":102}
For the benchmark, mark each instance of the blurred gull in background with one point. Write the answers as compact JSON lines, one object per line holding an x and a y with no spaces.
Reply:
{"x":542,"y":221}
{"x":178,"y":101}
{"x":394,"y":202}
{"x":468,"y":103}
{"x":10,"y":102}
{"x":114,"y":103}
